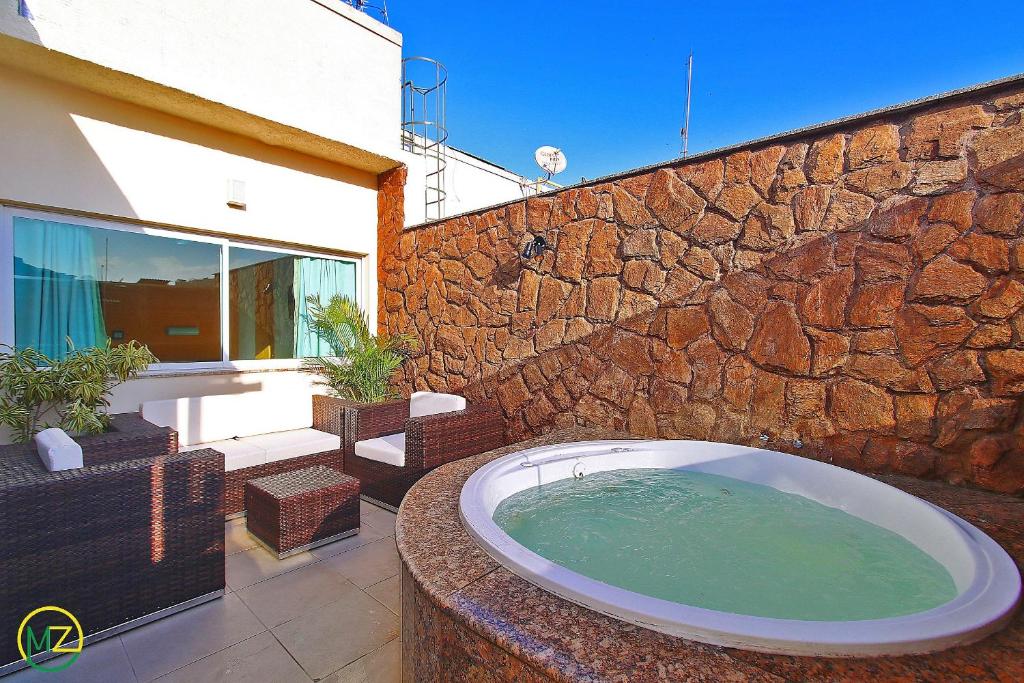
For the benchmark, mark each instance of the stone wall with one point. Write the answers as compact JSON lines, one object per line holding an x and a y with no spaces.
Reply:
{"x":390,"y":219}
{"x":858,"y":287}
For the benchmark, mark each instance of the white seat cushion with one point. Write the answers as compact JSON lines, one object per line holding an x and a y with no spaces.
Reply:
{"x":294,"y":443}
{"x":389,"y":449}
{"x":57,"y":450}
{"x":237,"y":453}
{"x":430,"y":403}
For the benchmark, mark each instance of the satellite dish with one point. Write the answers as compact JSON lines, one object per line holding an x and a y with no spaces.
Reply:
{"x":551,"y":159}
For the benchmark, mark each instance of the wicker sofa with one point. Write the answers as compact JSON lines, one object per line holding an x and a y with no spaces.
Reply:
{"x":259,"y":434}
{"x":134,"y":534}
{"x":418,"y":442}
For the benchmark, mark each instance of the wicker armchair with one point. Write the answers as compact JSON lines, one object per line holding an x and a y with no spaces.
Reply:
{"x":430,"y":441}
{"x":137,"y":530}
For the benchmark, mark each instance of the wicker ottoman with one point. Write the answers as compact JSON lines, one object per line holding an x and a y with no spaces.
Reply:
{"x":302,"y":509}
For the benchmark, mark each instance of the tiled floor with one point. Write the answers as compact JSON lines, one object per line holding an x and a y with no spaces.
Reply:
{"x":331,"y":614}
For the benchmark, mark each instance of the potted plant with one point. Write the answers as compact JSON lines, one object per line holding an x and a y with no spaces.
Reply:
{"x":37,"y":392}
{"x":362,"y":365}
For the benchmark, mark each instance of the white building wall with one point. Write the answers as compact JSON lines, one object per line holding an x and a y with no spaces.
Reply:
{"x":470,"y":184}
{"x":317,"y":65}
{"x":70,"y":149}
{"x":74,"y":151}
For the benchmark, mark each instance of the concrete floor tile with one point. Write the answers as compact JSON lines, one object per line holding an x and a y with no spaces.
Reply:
{"x":383,"y":665}
{"x":380,"y":519}
{"x":260,"y":658}
{"x":102,"y":662}
{"x":236,"y":537}
{"x":288,"y":596}
{"x":367,"y":534}
{"x":163,"y":646}
{"x":389,"y":593}
{"x":252,"y":566}
{"x":326,"y":639}
{"x":368,"y":564}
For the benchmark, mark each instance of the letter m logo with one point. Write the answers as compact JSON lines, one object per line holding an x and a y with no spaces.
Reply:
{"x":32,"y":646}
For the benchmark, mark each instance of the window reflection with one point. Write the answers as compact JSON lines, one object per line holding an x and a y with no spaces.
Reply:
{"x":268,"y":291}
{"x":90,"y":284}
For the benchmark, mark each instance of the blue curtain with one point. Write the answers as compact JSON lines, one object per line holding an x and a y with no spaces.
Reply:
{"x":56,"y":287}
{"x":325,"y":277}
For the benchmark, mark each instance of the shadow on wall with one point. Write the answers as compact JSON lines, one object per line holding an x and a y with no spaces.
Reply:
{"x":62,"y":168}
{"x":47,"y":159}
{"x":129,"y":396}
{"x":285,"y":385}
{"x":143,"y":119}
{"x":860,"y":290}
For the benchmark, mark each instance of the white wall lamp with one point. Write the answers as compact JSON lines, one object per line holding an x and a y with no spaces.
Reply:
{"x":236,"y":194}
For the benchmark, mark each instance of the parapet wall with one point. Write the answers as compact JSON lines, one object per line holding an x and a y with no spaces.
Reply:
{"x":858,"y":288}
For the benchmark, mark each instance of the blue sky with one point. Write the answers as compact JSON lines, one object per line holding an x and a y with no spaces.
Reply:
{"x":605,"y":80}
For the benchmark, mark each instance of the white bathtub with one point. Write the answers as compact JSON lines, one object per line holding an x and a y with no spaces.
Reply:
{"x":987,"y":581}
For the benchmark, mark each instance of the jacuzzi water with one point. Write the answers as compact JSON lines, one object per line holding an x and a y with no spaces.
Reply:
{"x":724,"y":544}
{"x":740,"y":546}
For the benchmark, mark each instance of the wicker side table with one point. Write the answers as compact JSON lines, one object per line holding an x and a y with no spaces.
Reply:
{"x":302,"y":509}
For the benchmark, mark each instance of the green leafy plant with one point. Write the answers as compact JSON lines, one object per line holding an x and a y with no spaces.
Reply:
{"x":37,"y":392}
{"x":364,"y":362}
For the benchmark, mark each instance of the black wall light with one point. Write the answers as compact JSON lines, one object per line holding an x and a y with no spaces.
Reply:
{"x":535,"y":247}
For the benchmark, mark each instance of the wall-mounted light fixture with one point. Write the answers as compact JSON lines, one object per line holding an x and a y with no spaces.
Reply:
{"x":535,"y":247}
{"x":236,"y":194}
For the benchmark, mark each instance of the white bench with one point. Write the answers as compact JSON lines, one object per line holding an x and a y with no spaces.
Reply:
{"x":259,"y":433}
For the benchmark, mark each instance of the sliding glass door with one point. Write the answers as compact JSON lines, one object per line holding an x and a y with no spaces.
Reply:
{"x":191,"y":299}
{"x":267,"y":301}
{"x":90,"y":284}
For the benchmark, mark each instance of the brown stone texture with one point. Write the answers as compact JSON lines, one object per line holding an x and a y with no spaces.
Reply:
{"x":940,"y":134}
{"x":1001,"y":214}
{"x":946,"y":279}
{"x":874,"y":145}
{"x":390,"y":219}
{"x":880,"y":181}
{"x":825,"y":159}
{"x":779,"y":341}
{"x":999,"y":156}
{"x":935,"y":177}
{"x":861,"y":288}
{"x":847,"y":211}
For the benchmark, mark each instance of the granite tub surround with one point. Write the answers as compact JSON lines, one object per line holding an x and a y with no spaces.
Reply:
{"x":467,"y":618}
{"x":858,"y":286}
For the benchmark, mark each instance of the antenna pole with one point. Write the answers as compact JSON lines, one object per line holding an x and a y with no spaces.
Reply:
{"x":686,"y":121}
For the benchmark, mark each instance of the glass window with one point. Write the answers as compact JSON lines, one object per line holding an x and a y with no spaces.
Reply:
{"x":90,"y":284}
{"x":267,"y":301}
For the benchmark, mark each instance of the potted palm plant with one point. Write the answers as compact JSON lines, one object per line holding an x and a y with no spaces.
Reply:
{"x":362,"y":366}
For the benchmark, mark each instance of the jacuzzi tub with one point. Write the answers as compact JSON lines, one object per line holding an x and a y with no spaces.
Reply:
{"x":986,"y":579}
